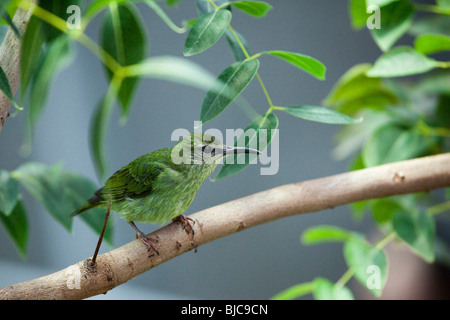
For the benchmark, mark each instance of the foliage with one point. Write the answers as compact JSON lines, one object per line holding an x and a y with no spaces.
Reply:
{"x":402,"y":120}
{"x":397,"y":125}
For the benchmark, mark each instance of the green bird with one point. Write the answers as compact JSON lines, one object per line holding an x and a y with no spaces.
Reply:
{"x":159,"y":186}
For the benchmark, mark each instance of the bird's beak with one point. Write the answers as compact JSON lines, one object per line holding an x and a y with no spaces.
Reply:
{"x":235,"y":150}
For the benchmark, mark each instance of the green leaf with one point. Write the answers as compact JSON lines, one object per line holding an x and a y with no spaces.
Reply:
{"x":295,"y":291}
{"x":319,"y":114}
{"x":257,"y":134}
{"x":355,"y":91}
{"x":16,"y":225}
{"x":306,"y":63}
{"x":44,"y":184}
{"x":432,"y":43}
{"x":232,"y":81}
{"x":444,"y":4}
{"x":326,"y":290}
{"x":9,"y":192}
{"x":123,"y":38}
{"x":358,"y":14}
{"x":396,"y":18}
{"x":6,"y":89}
{"x":254,"y":8}
{"x":33,"y":40}
{"x":402,"y":61}
{"x":58,"y":8}
{"x":368,"y":263}
{"x":390,"y":143}
{"x":57,"y":56}
{"x":418,"y":231}
{"x":206,"y":31}
{"x":171,"y":3}
{"x":77,"y":189}
{"x":384,"y":209}
{"x":320,"y":234}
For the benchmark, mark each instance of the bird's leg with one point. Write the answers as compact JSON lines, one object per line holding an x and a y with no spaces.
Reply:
{"x":146,"y":240}
{"x":185,"y":221}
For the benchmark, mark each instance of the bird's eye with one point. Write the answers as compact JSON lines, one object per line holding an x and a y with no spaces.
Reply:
{"x":208,"y":149}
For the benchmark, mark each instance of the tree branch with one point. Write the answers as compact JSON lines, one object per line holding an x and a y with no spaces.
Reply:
{"x":10,"y":50}
{"x":120,"y":265}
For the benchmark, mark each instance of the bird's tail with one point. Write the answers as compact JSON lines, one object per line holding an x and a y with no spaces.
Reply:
{"x":87,"y":206}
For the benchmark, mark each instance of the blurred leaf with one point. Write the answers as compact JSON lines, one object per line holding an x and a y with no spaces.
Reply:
{"x":384,"y":209}
{"x":324,"y":233}
{"x":319,"y":114}
{"x":306,"y":63}
{"x":396,"y":18}
{"x":379,"y":3}
{"x":97,"y":134}
{"x":77,"y":189}
{"x":9,"y":192}
{"x":418,"y":231}
{"x":436,"y":82}
{"x":401,"y":61}
{"x":206,"y":31}
{"x":326,"y":290}
{"x":363,"y":258}
{"x":16,"y":225}
{"x":171,"y":3}
{"x":175,"y":69}
{"x":57,"y":56}
{"x":358,"y":14}
{"x":6,"y":89}
{"x":251,"y":137}
{"x":33,"y":40}
{"x":254,"y":8}
{"x":355,"y":91}
{"x":123,"y":37}
{"x":44,"y":184}
{"x":438,"y":24}
{"x":295,"y":291}
{"x":391,"y":143}
{"x":233,"y":80}
{"x":444,"y":4}
{"x":432,"y":43}
{"x":58,"y":8}
{"x":442,"y":112}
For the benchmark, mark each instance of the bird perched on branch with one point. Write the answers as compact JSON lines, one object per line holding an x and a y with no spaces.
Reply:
{"x":161,"y":185}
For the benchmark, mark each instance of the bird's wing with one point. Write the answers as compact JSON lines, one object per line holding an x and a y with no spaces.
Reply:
{"x":138,"y":178}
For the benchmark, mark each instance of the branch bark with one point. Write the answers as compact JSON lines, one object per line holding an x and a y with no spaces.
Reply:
{"x":120,"y":265}
{"x":10,"y":59}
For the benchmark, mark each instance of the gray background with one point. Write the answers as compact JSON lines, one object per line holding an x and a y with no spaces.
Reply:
{"x":254,"y":264}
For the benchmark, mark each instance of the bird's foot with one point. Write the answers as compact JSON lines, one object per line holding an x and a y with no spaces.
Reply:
{"x":148,"y":242}
{"x":185,"y":221}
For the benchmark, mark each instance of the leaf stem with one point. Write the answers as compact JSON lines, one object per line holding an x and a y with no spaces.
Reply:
{"x":344,"y":278}
{"x":164,"y":17}
{"x":261,"y":83}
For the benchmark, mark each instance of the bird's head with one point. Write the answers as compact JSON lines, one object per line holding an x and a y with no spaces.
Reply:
{"x":201,"y":148}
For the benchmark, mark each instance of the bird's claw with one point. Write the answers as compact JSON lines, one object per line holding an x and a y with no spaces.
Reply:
{"x":147,"y":241}
{"x":185,"y":221}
